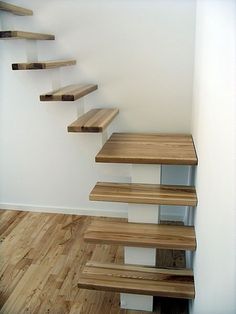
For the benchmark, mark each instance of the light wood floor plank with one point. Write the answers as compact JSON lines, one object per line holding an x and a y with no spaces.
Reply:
{"x":41,"y":257}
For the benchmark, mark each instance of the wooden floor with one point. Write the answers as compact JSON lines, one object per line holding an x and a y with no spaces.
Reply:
{"x":41,"y":256}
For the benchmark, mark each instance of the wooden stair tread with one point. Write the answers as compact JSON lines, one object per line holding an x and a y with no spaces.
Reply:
{"x":141,"y":148}
{"x":69,"y":93}
{"x":25,"y":35}
{"x":141,"y":235}
{"x":4,"y":6}
{"x":173,"y":283}
{"x":95,"y":120}
{"x":144,"y":194}
{"x":42,"y":65}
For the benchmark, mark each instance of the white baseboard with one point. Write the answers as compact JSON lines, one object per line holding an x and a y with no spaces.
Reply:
{"x":69,"y":211}
{"x":79,"y":211}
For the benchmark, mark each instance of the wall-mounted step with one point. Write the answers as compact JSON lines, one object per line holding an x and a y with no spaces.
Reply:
{"x":69,"y":93}
{"x":141,"y":235}
{"x":25,"y":35}
{"x":95,"y":120}
{"x":138,"y":280}
{"x":144,"y":194}
{"x":142,"y":148}
{"x":42,"y":65}
{"x":4,"y":6}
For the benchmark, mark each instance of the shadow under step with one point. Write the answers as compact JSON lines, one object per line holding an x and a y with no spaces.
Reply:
{"x":144,"y":148}
{"x":144,"y":194}
{"x":174,"y":283}
{"x":25,"y":35}
{"x":10,"y":8}
{"x":42,"y":65}
{"x":141,"y":235}
{"x":69,"y":93}
{"x":94,"y":121}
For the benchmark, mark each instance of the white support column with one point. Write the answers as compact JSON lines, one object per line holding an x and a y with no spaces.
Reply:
{"x":141,"y":214}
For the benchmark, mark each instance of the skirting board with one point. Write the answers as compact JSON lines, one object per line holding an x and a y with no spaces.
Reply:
{"x":68,"y":211}
{"x":79,"y":211}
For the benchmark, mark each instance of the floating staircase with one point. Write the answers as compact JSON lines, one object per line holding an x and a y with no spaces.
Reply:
{"x":143,"y":150}
{"x":143,"y":233}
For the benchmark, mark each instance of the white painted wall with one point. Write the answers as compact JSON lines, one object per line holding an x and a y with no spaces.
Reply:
{"x":214,"y":130}
{"x":141,"y":55}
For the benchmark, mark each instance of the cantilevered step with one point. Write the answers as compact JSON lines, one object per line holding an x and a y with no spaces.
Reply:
{"x":69,"y":93}
{"x":42,"y":65}
{"x":142,"y":148}
{"x":96,"y":120}
{"x":133,"y":279}
{"x":4,"y":6}
{"x":144,"y":194}
{"x":141,"y":235}
{"x":25,"y":35}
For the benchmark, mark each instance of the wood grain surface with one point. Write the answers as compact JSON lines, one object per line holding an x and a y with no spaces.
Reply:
{"x":25,"y":35}
{"x":144,"y":193}
{"x":95,"y":120}
{"x":138,"y":280}
{"x":69,"y":93}
{"x":141,"y":148}
{"x":41,"y":257}
{"x":141,"y":235}
{"x":4,"y":6}
{"x":42,"y":65}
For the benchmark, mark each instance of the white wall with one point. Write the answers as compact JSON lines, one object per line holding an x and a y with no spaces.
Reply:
{"x":141,"y":55}
{"x":214,"y":130}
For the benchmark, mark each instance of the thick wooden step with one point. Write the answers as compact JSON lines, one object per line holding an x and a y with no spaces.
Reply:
{"x":69,"y":93}
{"x":25,"y":35}
{"x":174,"y":283}
{"x":144,"y":193}
{"x":142,"y":148}
{"x":42,"y":65}
{"x":95,"y":120}
{"x":141,"y":235}
{"x":4,"y":6}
